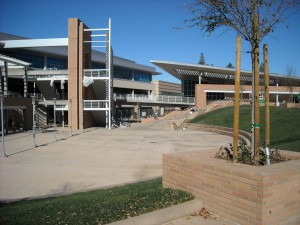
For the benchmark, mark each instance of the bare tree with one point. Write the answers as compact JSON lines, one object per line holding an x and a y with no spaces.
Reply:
{"x":252,"y":19}
{"x":291,"y":72}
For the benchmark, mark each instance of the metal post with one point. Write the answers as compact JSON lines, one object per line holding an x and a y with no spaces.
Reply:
{"x":63,"y":97}
{"x":2,"y":125}
{"x":70,"y":119}
{"x":82,"y":113}
{"x":33,"y":121}
{"x":106,"y":114}
{"x":63,"y":118}
{"x":267,"y":155}
{"x":54,"y":115}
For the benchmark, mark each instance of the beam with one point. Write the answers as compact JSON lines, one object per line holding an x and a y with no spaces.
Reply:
{"x":33,"y":43}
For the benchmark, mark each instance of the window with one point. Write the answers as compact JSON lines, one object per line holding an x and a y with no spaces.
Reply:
{"x":189,"y":88}
{"x":211,"y":96}
{"x":56,"y":64}
{"x":142,"y":76}
{"x":122,"y":73}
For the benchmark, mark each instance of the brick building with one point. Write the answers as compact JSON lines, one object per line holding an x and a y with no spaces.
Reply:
{"x":210,"y":83}
{"x":79,"y":80}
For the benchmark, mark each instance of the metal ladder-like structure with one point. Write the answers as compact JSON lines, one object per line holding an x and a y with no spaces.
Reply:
{"x":104,"y":34}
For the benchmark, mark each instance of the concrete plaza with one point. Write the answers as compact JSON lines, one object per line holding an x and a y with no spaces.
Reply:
{"x":93,"y":159}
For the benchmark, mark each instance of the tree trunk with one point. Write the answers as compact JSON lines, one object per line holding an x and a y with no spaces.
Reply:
{"x":255,"y":63}
{"x":237,"y":99}
{"x":267,"y":97}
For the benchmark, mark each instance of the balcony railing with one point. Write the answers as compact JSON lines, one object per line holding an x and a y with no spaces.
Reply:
{"x":95,"y":104}
{"x":157,"y":99}
{"x":96,"y":73}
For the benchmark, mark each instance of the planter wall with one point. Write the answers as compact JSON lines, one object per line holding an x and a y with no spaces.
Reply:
{"x":242,"y":193}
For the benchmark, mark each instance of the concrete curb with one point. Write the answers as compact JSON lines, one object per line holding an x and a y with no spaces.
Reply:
{"x":161,"y":216}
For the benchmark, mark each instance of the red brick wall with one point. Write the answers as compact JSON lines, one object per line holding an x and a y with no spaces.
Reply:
{"x":200,"y":95}
{"x":245,"y":194}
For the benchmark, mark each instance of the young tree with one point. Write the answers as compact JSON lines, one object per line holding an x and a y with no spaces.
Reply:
{"x":261,"y":67}
{"x":229,"y":65}
{"x":202,"y":59}
{"x":252,"y":19}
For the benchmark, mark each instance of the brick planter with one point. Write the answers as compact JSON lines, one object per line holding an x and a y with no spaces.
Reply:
{"x":242,"y":193}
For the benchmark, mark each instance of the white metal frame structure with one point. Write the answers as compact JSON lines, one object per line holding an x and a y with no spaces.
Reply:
{"x":102,"y":74}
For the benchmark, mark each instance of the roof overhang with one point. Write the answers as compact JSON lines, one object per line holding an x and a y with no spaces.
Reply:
{"x":193,"y":71}
{"x":34,"y":43}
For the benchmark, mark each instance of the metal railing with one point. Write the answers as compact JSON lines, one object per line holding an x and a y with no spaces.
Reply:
{"x":62,"y":108}
{"x":95,"y":104}
{"x":157,"y":99}
{"x":96,"y":73}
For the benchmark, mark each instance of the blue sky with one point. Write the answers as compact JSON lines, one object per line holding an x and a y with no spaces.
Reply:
{"x":143,"y":30}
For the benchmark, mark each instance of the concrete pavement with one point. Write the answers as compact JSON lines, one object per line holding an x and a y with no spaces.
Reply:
{"x":94,"y":159}
{"x":98,"y":158}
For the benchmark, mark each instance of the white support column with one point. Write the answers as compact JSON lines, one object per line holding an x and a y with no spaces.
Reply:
{"x":5,"y":79}
{"x":110,"y":75}
{"x":25,"y":82}
{"x":109,"y":61}
{"x":2,"y":125}
{"x":1,"y":82}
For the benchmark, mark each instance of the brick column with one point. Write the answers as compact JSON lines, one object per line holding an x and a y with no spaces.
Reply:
{"x":200,"y":96}
{"x":79,"y":58}
{"x":73,"y":71}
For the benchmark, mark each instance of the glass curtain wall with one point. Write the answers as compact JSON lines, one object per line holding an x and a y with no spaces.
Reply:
{"x":189,"y":88}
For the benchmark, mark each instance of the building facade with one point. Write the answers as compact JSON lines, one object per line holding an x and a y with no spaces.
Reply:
{"x":73,"y":80}
{"x":210,"y":83}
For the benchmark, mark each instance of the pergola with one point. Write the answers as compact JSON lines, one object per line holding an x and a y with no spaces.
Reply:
{"x":7,"y":63}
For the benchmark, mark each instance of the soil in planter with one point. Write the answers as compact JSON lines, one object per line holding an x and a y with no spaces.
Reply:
{"x":245,"y":155}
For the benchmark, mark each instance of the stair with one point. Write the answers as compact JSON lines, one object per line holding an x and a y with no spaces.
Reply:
{"x":47,"y":91}
{"x":41,"y":116}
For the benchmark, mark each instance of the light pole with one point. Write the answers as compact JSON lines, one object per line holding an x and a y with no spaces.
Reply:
{"x":54,"y":99}
{"x":33,"y":121}
{"x":2,"y":124}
